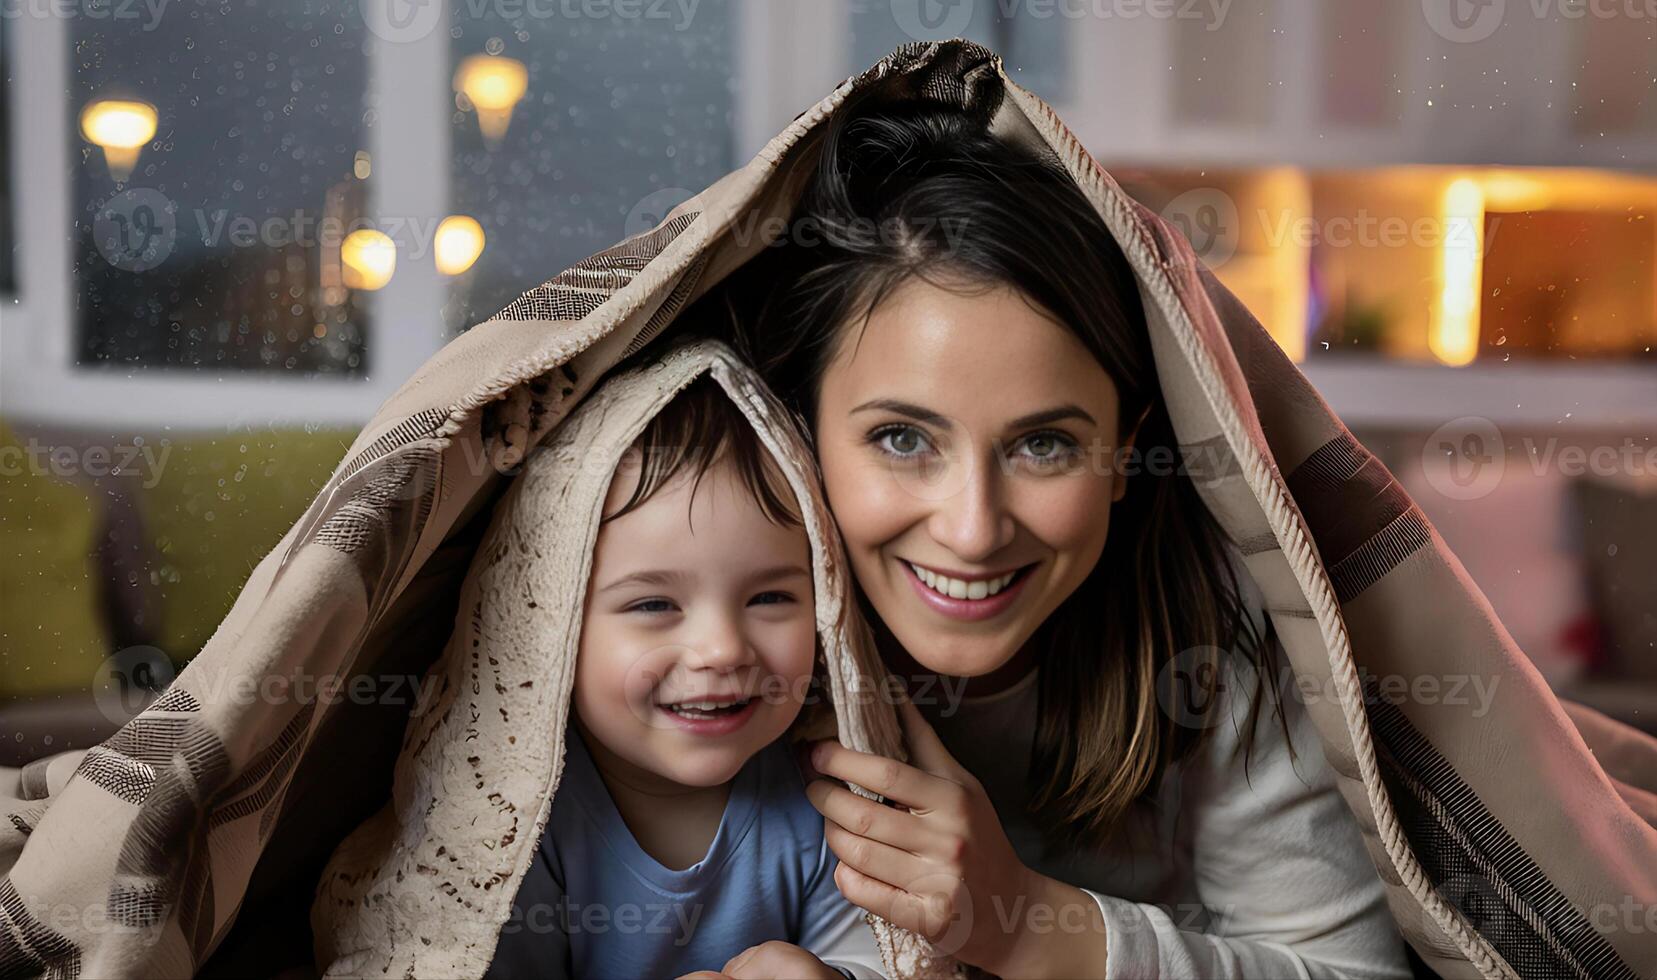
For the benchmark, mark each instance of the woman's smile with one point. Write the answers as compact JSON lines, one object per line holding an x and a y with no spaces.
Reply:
{"x":965,"y":596}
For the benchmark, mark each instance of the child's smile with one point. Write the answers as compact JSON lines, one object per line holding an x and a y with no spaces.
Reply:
{"x":709,"y":717}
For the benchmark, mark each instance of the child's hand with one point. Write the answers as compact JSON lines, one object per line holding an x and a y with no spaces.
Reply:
{"x":772,"y":961}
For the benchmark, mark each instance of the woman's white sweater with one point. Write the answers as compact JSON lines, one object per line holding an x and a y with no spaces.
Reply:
{"x":1226,"y":874}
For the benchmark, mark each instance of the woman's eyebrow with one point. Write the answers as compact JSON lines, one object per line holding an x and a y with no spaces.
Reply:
{"x":919,"y":414}
{"x":1056,"y":414}
{"x":915,"y":412}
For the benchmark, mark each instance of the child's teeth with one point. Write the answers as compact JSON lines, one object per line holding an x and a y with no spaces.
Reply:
{"x":702,"y":709}
{"x":959,"y":589}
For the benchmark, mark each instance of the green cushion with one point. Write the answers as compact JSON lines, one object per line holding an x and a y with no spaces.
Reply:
{"x":51,"y":629}
{"x":221,"y":504}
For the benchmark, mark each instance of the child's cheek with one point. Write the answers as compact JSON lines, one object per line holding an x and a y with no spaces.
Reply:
{"x":793,"y":656}
{"x":619,"y":671}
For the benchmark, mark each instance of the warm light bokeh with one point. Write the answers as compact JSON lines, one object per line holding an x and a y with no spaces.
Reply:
{"x":458,"y":243}
{"x":368,"y":258}
{"x":121,"y":128}
{"x":493,"y":84}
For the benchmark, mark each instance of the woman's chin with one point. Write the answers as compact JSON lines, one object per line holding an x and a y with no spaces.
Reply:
{"x":959,"y":656}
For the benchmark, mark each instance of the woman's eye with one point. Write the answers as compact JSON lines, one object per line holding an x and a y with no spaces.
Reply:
{"x":770,"y":599}
{"x":901,"y":441}
{"x":1049,"y":448}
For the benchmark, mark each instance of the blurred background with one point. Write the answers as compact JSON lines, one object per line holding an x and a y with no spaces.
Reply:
{"x":229,"y":230}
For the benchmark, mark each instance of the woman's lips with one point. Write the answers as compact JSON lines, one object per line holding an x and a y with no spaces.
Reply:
{"x":968,"y":610}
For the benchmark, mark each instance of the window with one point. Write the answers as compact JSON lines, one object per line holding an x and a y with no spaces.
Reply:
{"x":8,"y":275}
{"x":1030,"y":38}
{"x":621,"y":117}
{"x":219,"y":241}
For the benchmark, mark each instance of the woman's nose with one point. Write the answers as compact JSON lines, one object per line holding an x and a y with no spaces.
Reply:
{"x":974,"y":522}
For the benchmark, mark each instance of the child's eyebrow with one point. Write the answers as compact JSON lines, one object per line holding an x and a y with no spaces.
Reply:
{"x":780,"y":571}
{"x":657,"y":577}
{"x":663,"y":578}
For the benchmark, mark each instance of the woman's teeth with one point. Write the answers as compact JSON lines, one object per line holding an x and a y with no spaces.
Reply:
{"x":705,"y":709}
{"x":957,"y":589}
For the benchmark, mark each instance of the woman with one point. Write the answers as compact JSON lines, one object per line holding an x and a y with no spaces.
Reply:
{"x":967,"y":342}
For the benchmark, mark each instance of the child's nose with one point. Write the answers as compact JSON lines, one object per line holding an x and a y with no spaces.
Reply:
{"x":722,"y":645}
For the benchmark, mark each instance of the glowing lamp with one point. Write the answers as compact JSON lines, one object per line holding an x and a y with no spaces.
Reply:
{"x":119,"y":127}
{"x":1455,"y":331}
{"x":493,"y":84}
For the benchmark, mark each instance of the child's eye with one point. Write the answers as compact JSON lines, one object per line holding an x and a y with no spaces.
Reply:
{"x":651,"y":606}
{"x":900,"y":441}
{"x":770,"y":598}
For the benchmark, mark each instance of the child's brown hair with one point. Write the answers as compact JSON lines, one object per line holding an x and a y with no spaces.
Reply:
{"x":698,"y":428}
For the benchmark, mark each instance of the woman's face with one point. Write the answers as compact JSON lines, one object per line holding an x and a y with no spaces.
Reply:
{"x":966,"y":438}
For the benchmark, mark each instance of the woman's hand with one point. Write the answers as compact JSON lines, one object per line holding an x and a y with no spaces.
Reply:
{"x":772,"y":961}
{"x":940,"y":865}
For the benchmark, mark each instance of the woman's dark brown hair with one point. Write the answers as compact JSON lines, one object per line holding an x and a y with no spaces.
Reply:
{"x":917,"y":191}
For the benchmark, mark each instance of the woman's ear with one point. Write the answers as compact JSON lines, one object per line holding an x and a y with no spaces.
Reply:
{"x":1120,"y":488}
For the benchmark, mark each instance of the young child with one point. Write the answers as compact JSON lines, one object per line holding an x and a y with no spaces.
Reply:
{"x":680,"y":834}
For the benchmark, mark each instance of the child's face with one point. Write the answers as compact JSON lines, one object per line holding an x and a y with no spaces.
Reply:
{"x":693,"y":602}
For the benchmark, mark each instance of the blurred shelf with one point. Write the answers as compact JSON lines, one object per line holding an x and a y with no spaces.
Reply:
{"x":1576,"y":395}
{"x":1630,"y":700}
{"x":33,"y":728}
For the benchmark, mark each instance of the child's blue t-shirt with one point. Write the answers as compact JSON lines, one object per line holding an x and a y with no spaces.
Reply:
{"x":594,"y":904}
